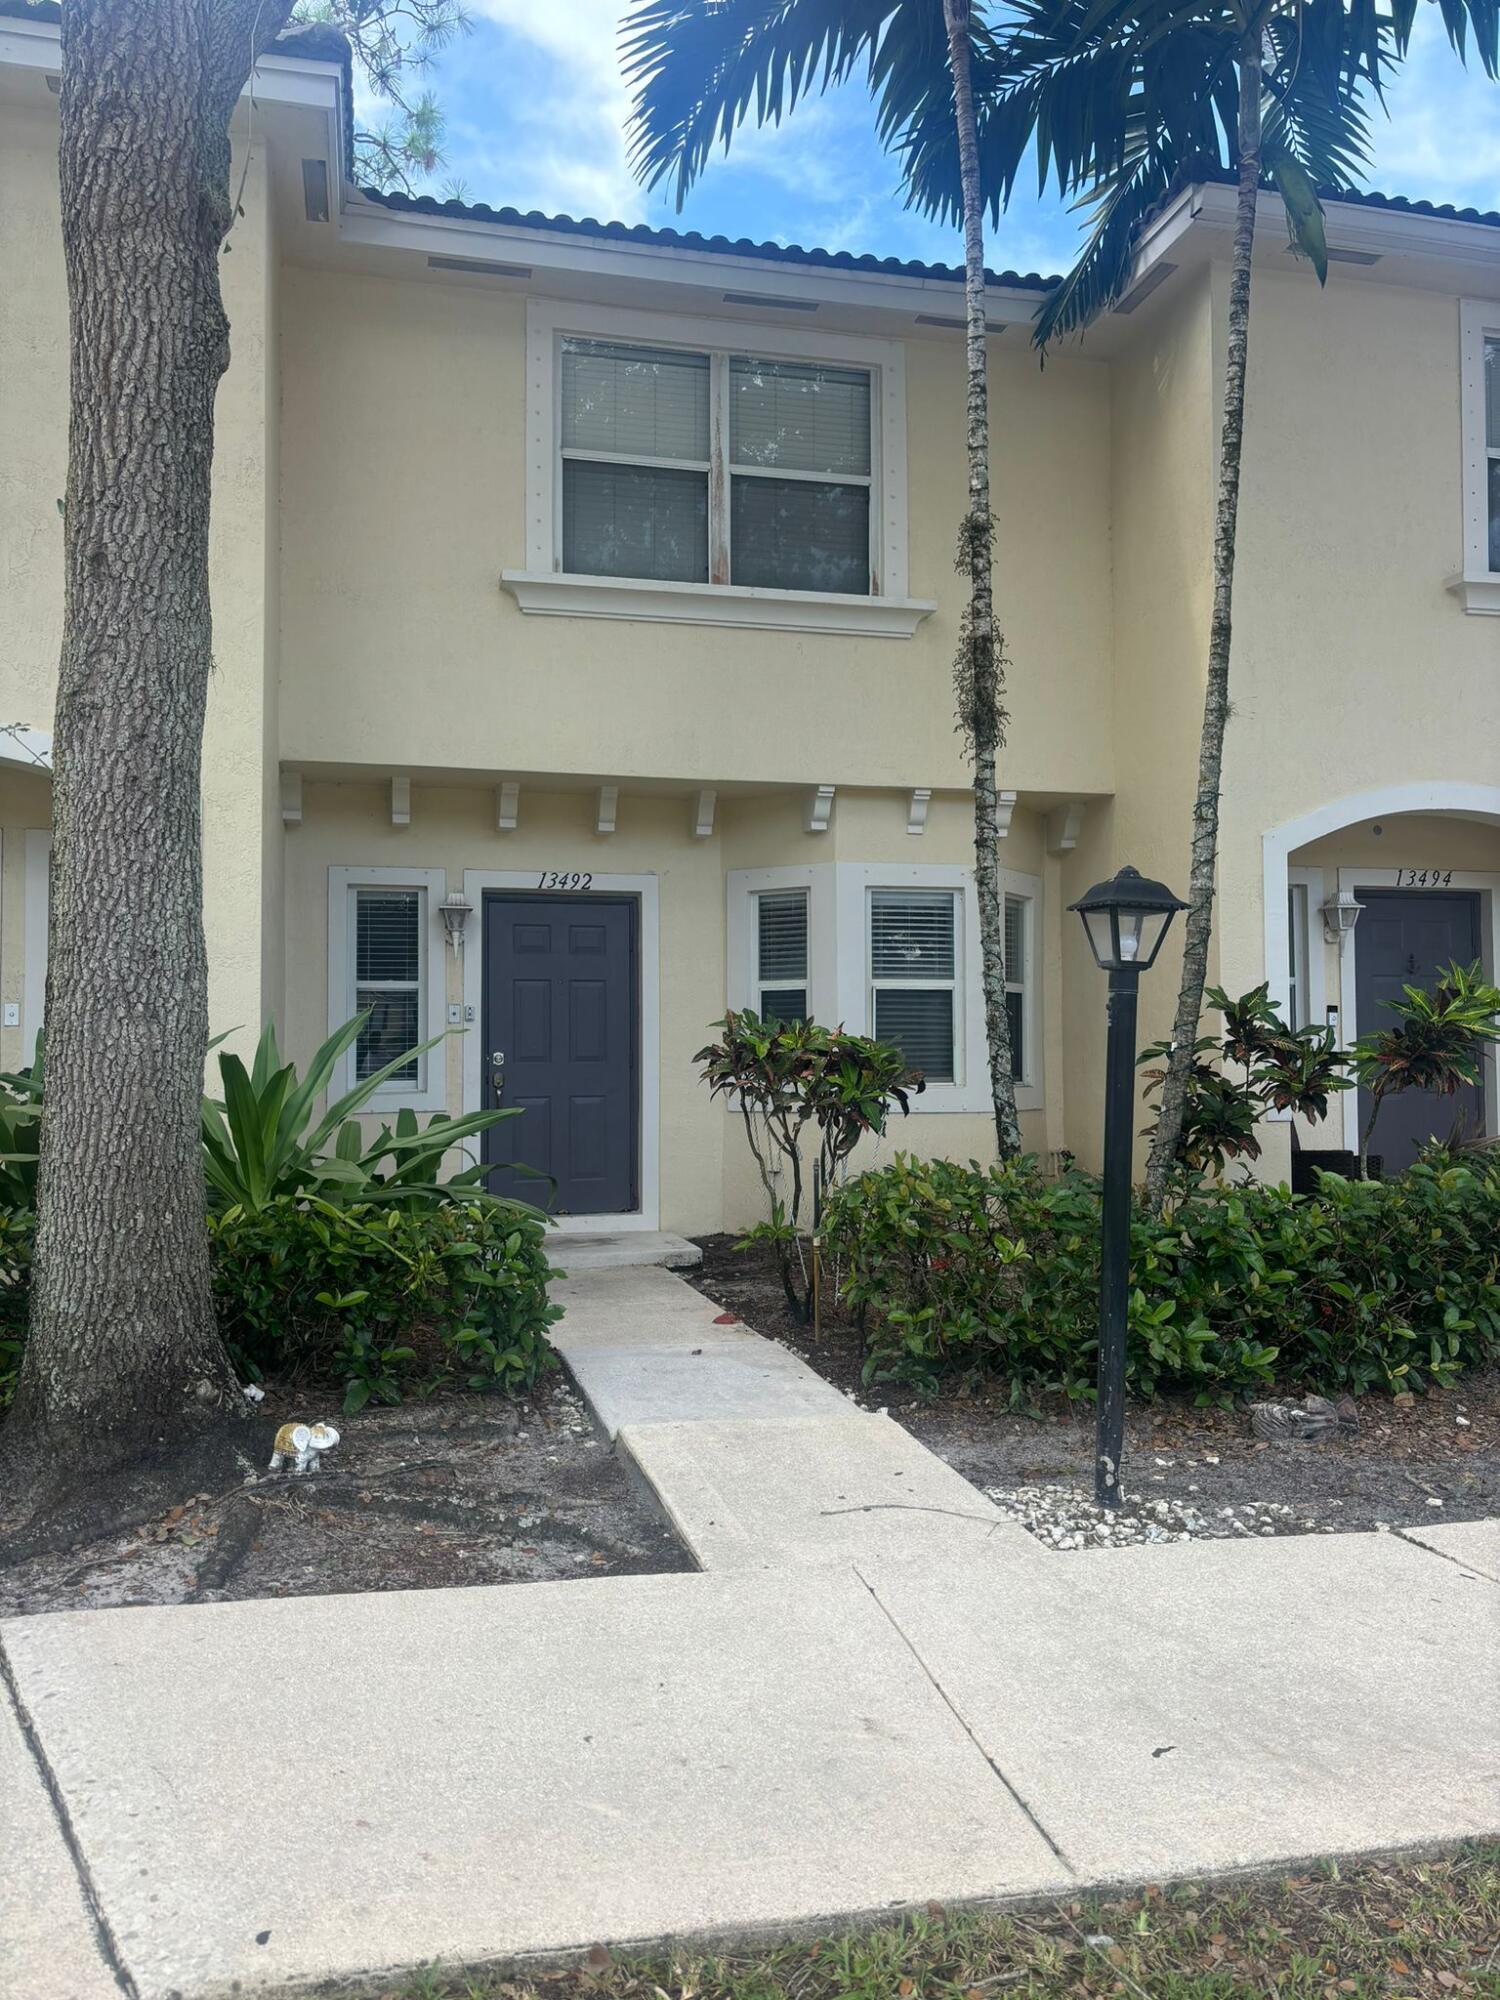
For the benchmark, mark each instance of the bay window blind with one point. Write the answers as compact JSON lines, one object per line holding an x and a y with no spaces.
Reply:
{"x":780,"y":487}
{"x":913,"y":976}
{"x":388,"y":979}
{"x":1492,"y":439}
{"x":781,"y":955}
{"x":1015,"y":983}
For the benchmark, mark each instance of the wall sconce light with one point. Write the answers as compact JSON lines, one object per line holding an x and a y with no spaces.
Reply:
{"x":455,"y":911}
{"x":1340,"y":914}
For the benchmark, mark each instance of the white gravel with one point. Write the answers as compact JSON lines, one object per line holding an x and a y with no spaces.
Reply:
{"x":1065,"y":1517}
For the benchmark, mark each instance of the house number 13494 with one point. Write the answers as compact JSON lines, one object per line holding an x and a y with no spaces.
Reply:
{"x":1424,"y":878}
{"x":550,"y":879}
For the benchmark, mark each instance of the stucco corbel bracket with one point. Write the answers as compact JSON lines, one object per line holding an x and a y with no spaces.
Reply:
{"x":1064,"y":826}
{"x":819,"y":808}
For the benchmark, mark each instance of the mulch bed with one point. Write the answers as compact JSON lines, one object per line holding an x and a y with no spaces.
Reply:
{"x":1443,"y":1447}
{"x":461,"y":1489}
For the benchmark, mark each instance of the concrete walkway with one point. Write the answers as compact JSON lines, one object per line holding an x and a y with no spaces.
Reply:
{"x":876,"y":1694}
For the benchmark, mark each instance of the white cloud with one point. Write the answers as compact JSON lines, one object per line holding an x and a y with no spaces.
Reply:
{"x":1441,"y":141}
{"x":563,"y":146}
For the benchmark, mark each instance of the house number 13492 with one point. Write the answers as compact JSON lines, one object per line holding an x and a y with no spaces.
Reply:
{"x":550,"y":879}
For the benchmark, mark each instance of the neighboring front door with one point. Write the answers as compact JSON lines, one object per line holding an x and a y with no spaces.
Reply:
{"x":1404,"y":938}
{"x":560,"y":989}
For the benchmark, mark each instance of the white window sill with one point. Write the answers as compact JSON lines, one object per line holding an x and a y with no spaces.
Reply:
{"x":554,"y":596}
{"x":1479,"y":595}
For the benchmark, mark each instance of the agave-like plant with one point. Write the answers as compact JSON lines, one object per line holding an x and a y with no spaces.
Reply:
{"x":265,"y":1139}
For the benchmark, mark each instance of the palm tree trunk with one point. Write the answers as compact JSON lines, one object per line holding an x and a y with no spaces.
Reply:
{"x":1199,"y":925}
{"x":126,"y":1393}
{"x":980,"y":667}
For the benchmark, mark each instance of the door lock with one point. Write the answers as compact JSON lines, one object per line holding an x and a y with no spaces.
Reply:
{"x":497,"y":1072}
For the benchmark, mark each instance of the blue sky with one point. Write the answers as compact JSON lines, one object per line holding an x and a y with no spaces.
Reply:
{"x":537,"y":109}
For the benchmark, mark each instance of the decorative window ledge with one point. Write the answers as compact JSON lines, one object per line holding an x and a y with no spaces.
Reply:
{"x":1479,"y":595}
{"x":549,"y":595}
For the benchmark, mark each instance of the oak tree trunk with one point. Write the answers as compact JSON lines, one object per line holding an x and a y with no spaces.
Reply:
{"x":980,"y":665}
{"x":1198,"y":927}
{"x":125,"y":1390}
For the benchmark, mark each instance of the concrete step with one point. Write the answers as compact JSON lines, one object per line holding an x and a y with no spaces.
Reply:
{"x":617,"y":1249}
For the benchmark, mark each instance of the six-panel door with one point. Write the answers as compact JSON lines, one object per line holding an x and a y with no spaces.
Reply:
{"x":1405,"y":938}
{"x":560,"y":990}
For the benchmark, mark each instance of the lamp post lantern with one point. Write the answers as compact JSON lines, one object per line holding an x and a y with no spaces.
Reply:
{"x":1125,"y":920}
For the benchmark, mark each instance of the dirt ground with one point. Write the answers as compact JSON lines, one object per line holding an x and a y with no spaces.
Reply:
{"x":1435,"y":1458}
{"x":461,"y":1489}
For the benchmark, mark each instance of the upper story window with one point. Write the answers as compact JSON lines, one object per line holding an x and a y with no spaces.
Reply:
{"x":1479,"y":375}
{"x":778,"y":497}
{"x":714,"y":472}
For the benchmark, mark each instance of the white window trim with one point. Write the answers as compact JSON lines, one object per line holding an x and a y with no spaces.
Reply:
{"x":646,"y":890}
{"x":38,"y":881}
{"x":839,"y":988}
{"x":1478,"y":587}
{"x":1315,"y":999}
{"x":431,"y":1093}
{"x":542,"y":587}
{"x":745,"y":884}
{"x":1027,"y":890}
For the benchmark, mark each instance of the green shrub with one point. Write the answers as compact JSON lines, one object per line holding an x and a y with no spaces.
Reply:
{"x":382,"y":1298}
{"x":1365,"y":1285}
{"x":372,"y":1299}
{"x":789,"y":1076}
{"x":17,"y":1230}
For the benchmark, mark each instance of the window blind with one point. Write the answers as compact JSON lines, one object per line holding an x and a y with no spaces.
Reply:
{"x":798,"y":416}
{"x":781,"y":954}
{"x":625,"y":520}
{"x":911,"y":934}
{"x":634,"y":402}
{"x":387,"y":975}
{"x":387,"y":941}
{"x":919,"y":1020}
{"x":799,"y":534}
{"x":781,"y":924}
{"x":1015,"y":941}
{"x":1492,"y":392}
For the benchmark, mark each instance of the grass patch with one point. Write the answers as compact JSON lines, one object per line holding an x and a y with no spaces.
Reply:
{"x":1423,"y":1929}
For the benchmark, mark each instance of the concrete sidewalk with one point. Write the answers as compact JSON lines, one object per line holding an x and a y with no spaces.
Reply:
{"x":876,"y":1694}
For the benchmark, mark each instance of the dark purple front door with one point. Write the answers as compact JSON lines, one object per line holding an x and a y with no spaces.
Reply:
{"x":560,"y":987}
{"x":1404,"y":938}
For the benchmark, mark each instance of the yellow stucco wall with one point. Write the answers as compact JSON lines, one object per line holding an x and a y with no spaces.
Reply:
{"x":403,"y":489}
{"x":1354,"y":667}
{"x":241,"y":826}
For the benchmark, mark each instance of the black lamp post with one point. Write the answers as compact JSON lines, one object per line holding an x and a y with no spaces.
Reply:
{"x":1126,"y":920}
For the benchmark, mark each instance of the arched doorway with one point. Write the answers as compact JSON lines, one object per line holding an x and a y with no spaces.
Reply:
{"x":1422,"y":861}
